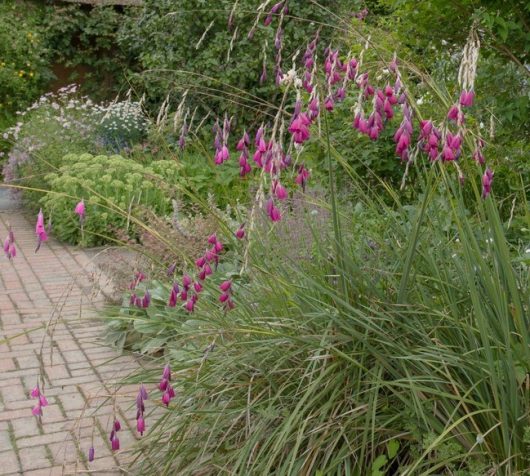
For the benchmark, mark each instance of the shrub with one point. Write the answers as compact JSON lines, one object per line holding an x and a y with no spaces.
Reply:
{"x":24,"y":67}
{"x":61,"y":123}
{"x":116,"y":191}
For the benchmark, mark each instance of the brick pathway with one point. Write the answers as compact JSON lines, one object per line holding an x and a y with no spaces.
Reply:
{"x":55,"y":286}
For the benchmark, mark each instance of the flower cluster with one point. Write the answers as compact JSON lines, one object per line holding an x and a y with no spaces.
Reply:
{"x":120,"y":124}
{"x":140,"y":409}
{"x":226,"y":296}
{"x":134,"y":299}
{"x":221,"y":137}
{"x":41,"y":401}
{"x":166,"y":387}
{"x":114,"y":440}
{"x":438,"y":142}
{"x":242,"y":146}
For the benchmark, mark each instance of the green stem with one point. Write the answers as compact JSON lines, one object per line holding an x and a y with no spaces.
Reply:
{"x":339,"y":248}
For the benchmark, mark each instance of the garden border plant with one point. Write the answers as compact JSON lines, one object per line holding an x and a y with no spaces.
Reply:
{"x":298,"y":369}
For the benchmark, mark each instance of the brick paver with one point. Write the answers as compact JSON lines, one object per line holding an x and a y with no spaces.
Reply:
{"x":47,"y":328}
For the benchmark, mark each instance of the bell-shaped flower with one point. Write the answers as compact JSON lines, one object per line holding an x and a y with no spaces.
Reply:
{"x":487,"y":180}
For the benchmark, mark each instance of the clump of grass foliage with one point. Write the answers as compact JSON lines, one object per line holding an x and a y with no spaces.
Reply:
{"x":400,"y":347}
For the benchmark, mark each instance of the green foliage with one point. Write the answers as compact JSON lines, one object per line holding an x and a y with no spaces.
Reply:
{"x":87,"y":37}
{"x":166,"y":39}
{"x":24,"y":55}
{"x":115,"y":190}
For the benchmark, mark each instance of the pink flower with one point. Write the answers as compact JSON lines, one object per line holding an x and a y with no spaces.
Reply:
{"x":9,"y":244}
{"x":171,"y":269}
{"x":173,"y":295}
{"x":466,"y":98}
{"x":140,"y":425}
{"x":207,"y":269}
{"x":117,"y":425}
{"x":302,"y":177}
{"x":273,"y":212}
{"x":197,"y":286}
{"x":186,"y":281}
{"x":221,"y":155}
{"x":166,"y":373}
{"x":487,"y":180}
{"x":244,"y":142}
{"x":453,"y":113}
{"x":37,"y":411}
{"x":313,"y":109}
{"x":225,"y":285}
{"x":146,"y":300}
{"x":279,"y":191}
{"x":190,"y":305}
{"x":80,"y":209}
{"x":240,"y":232}
{"x":115,"y":443}
{"x":478,"y":156}
{"x":448,"y":154}
{"x":40,"y":231}
{"x":329,"y":104}
{"x":299,"y":128}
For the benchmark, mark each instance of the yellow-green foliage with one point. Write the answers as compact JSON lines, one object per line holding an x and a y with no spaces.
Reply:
{"x":115,"y":191}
